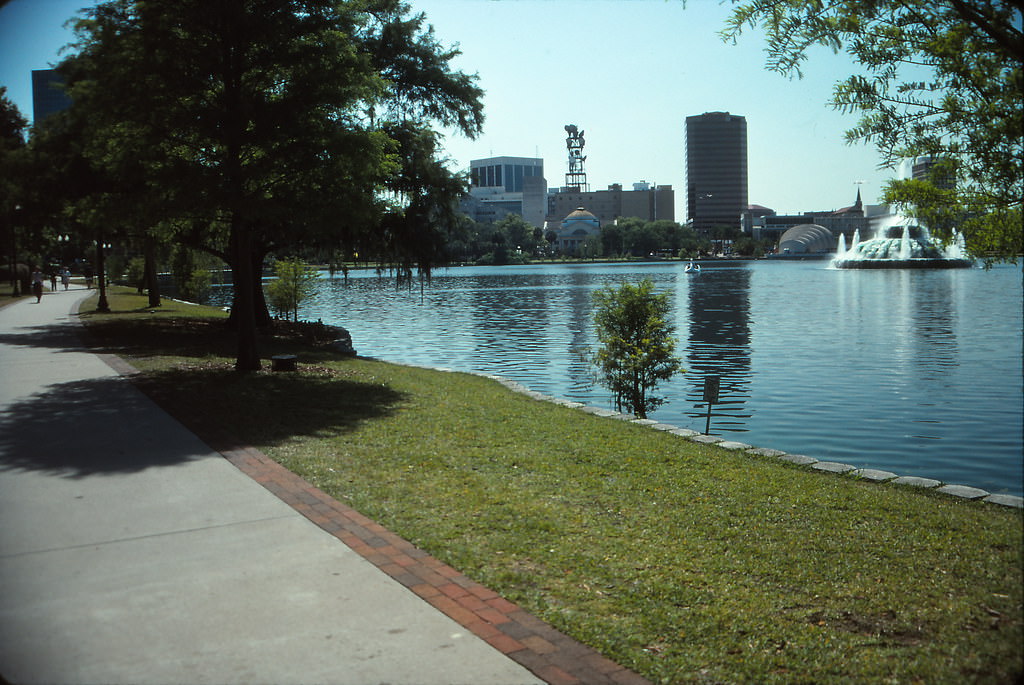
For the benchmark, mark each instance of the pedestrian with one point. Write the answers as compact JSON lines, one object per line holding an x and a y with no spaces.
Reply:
{"x":53,"y":280}
{"x":88,"y":276}
{"x":37,"y":284}
{"x":65,"y":277}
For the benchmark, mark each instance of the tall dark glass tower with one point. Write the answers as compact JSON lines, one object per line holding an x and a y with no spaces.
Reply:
{"x":716,"y":170}
{"x":48,"y":96}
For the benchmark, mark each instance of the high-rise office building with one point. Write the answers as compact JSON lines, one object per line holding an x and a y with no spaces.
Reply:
{"x":928,"y":169}
{"x":48,"y":96}
{"x":716,"y":170}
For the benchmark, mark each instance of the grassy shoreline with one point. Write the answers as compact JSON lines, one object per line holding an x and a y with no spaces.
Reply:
{"x":682,"y":561}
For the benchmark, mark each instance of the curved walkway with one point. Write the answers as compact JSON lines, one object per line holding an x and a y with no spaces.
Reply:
{"x":132,"y":551}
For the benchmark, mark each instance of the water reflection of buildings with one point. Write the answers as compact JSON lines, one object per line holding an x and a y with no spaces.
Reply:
{"x":509,"y":318}
{"x":719,"y":343}
{"x":581,"y":303}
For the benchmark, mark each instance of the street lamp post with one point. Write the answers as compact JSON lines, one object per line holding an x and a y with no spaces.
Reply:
{"x":15,"y":281}
{"x":62,"y":242}
{"x":102,"y":305}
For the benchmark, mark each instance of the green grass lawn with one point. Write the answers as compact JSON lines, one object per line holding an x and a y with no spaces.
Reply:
{"x":686,"y":562}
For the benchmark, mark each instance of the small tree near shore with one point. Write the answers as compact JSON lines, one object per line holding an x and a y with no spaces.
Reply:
{"x":637,"y":347}
{"x":295,"y":283}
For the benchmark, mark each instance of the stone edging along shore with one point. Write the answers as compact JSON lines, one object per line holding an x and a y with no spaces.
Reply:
{"x":961,"y":491}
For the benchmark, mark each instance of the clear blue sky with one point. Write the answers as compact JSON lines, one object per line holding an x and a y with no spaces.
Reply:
{"x":628,"y":72}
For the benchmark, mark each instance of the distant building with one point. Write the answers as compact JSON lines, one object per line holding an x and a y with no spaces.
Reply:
{"x":764,"y":224}
{"x":500,"y":186}
{"x":772,"y":226}
{"x":716,"y":170}
{"x":643,"y":202}
{"x":504,"y":172}
{"x":923,"y":169}
{"x":574,"y":230}
{"x":807,"y":239}
{"x":48,"y":95}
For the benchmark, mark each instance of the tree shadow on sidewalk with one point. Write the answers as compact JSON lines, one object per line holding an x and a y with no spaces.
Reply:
{"x":86,"y":427}
{"x":50,"y":336}
{"x":106,"y":426}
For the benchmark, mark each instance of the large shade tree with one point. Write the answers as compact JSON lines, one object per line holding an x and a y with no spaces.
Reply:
{"x":12,"y":161}
{"x":941,"y":80}
{"x":261,"y":124}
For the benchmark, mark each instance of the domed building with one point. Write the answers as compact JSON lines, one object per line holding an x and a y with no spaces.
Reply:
{"x":575,"y":229}
{"x":807,"y":240}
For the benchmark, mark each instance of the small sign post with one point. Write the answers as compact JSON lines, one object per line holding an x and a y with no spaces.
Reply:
{"x":711,"y":385}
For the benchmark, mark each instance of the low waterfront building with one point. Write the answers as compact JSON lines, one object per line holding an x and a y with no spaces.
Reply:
{"x":575,"y":229}
{"x":646,"y":201}
{"x":807,"y":240}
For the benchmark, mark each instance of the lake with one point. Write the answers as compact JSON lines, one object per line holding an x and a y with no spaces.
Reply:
{"x":918,"y":372}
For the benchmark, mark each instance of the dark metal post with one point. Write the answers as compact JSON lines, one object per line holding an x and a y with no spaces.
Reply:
{"x":101,"y":274}
{"x":16,"y":282}
{"x":711,"y":385}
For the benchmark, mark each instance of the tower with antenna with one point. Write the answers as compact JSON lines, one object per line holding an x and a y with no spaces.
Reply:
{"x":575,"y":177}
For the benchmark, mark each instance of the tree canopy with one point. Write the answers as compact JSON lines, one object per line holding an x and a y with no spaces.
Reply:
{"x":942,"y":80}
{"x":12,"y":143}
{"x":256,"y":125}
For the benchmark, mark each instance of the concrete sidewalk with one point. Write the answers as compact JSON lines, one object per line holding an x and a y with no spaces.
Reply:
{"x":132,"y":552}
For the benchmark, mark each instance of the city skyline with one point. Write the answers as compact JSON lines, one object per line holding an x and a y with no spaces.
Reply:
{"x":628,"y":73}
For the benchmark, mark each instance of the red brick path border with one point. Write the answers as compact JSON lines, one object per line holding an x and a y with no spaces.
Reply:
{"x":527,"y":640}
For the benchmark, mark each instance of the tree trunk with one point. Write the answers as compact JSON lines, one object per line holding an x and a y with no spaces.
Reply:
{"x":149,"y":278}
{"x":260,"y":310}
{"x":243,"y":311}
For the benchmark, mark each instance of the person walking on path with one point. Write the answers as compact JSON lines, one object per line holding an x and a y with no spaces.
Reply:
{"x":37,"y":284}
{"x":65,"y":278}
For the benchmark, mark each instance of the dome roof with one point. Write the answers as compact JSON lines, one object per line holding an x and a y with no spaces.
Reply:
{"x":807,"y":238}
{"x":579,"y":213}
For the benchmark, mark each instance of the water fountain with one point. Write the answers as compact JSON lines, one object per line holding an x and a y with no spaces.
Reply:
{"x":901,"y":247}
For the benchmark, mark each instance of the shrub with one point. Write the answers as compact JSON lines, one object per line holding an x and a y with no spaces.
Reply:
{"x":637,"y":347}
{"x":294,"y":284}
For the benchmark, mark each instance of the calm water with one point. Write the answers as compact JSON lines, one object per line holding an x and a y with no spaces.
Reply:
{"x":917,"y":372}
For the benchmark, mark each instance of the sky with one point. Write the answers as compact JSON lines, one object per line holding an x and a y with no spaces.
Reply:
{"x":627,"y":72}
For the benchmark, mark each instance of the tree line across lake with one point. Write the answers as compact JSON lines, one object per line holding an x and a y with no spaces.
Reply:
{"x":513,"y":240}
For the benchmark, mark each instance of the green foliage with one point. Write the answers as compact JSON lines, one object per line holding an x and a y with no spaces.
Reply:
{"x":294,"y":284}
{"x":519,"y":234}
{"x":591,"y":247}
{"x":136,"y":273}
{"x":197,"y":286}
{"x":748,"y":247}
{"x":640,"y":238}
{"x":115,"y":265}
{"x":637,"y":347}
{"x":190,"y":270}
{"x":944,"y":80}
{"x":12,"y":123}
{"x":12,"y":166}
{"x":255,"y":125}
